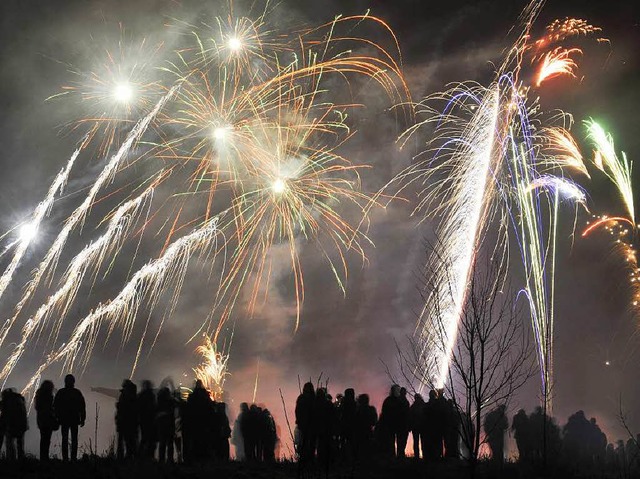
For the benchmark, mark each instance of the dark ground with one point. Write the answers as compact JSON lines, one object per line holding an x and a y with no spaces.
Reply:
{"x":104,"y":468}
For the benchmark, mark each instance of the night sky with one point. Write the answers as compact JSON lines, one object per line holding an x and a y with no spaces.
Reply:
{"x":347,"y":339}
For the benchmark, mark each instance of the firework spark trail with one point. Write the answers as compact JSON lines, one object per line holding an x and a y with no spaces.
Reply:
{"x":560,"y":30}
{"x":561,"y":150}
{"x":91,"y":257}
{"x":77,"y":217}
{"x":562,"y":186}
{"x":213,"y":370}
{"x":149,"y":281}
{"x":555,"y":63}
{"x":618,"y":170}
{"x":38,"y":215}
{"x":461,"y":229}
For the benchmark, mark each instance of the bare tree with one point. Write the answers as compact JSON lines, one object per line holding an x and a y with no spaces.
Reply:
{"x":490,"y":358}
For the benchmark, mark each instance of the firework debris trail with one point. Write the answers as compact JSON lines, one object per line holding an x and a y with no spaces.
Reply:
{"x":149,"y":281}
{"x":91,"y":257}
{"x":38,"y":215}
{"x":77,"y":217}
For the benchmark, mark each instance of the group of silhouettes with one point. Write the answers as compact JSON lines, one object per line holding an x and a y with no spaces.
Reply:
{"x":196,"y":428}
{"x":350,"y":428}
{"x":64,"y":411}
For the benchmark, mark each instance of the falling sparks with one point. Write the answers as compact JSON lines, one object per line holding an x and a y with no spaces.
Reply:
{"x":213,"y":369}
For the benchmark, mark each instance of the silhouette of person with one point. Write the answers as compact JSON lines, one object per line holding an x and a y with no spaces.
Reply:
{"x":14,"y":419}
{"x":270,"y":436}
{"x":304,"y":421}
{"x":537,"y":421}
{"x":416,"y":422}
{"x":347,"y":414}
{"x":434,"y":419}
{"x":45,"y":417}
{"x":179,"y":441}
{"x":127,"y":420}
{"x":403,"y":426}
{"x":198,"y":420}
{"x":495,"y":425}
{"x":255,"y":436}
{"x":522,"y":433}
{"x":452,"y":430}
{"x":221,"y":431}
{"x":390,"y":422}
{"x":242,"y":435}
{"x":366,"y":419}
{"x":70,"y":410}
{"x":165,"y":424}
{"x":323,"y":418}
{"x":146,"y":416}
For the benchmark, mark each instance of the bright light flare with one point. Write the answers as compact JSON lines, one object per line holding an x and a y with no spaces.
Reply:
{"x":279,"y":186}
{"x":123,"y":93}
{"x":28,"y":232}
{"x":234,"y":44}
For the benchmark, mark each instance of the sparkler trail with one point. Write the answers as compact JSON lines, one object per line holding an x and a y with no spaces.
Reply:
{"x":149,"y":282}
{"x":77,"y":217}
{"x":555,"y":63}
{"x":34,"y":223}
{"x":618,"y":170}
{"x":213,"y":370}
{"x":463,"y":226}
{"x":108,"y":245}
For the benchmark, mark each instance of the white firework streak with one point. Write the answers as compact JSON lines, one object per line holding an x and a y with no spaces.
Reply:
{"x":91,"y":256}
{"x":149,"y":281}
{"x":459,"y":233}
{"x":79,"y":214}
{"x":39,"y":213}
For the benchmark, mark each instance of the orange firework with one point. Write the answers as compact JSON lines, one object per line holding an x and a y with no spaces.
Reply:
{"x":557,"y":62}
{"x":559,"y":30}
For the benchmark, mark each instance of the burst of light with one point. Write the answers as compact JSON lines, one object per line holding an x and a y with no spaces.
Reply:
{"x":607,"y":363}
{"x":28,"y":232}
{"x":220,"y":133}
{"x":278,"y":186}
{"x":123,"y":93}
{"x":234,"y":44}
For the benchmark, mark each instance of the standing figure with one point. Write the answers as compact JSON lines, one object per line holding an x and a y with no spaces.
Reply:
{"x":127,"y":420}
{"x":403,"y":426}
{"x":71,"y":411}
{"x":146,"y":417}
{"x":198,"y":411}
{"x":14,"y":420}
{"x":366,"y":418}
{"x":347,"y":415}
{"x":45,"y":417}
{"x":416,"y":422}
{"x":304,"y":421}
{"x":495,"y":425}
{"x":165,"y":424}
{"x":390,"y":420}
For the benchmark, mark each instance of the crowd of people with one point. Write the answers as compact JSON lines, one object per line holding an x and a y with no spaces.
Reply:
{"x":179,"y":425}
{"x":349,"y":427}
{"x":195,"y":428}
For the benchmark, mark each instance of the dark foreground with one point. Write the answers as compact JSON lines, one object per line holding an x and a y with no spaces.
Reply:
{"x":105,"y":468}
